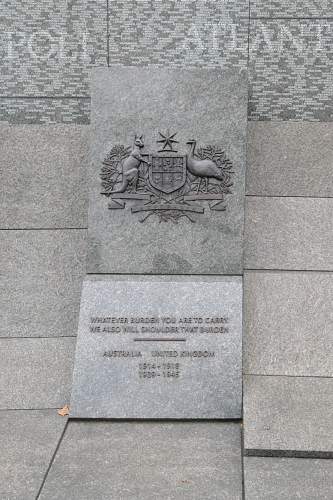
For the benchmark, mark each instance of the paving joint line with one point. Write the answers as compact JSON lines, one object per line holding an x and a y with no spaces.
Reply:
{"x":88,"y":97}
{"x":286,"y":376}
{"x":272,"y":270}
{"x":107,"y":33}
{"x":39,"y":337}
{"x":288,"y":196}
{"x":43,"y":228}
{"x":52,"y":460}
{"x":297,"y":454}
{"x":28,"y":409}
{"x":291,"y":18}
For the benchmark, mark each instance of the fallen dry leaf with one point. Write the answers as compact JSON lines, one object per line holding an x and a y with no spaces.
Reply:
{"x":64,"y":411}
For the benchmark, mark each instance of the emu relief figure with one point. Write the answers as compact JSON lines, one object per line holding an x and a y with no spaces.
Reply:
{"x":131,"y":165}
{"x":204,"y":169}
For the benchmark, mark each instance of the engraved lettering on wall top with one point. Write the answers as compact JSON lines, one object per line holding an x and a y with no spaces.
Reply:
{"x":169,"y":184}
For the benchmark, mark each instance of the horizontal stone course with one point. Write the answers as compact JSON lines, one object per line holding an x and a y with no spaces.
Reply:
{"x":49,"y":163}
{"x":41,"y":276}
{"x":289,"y":234}
{"x":288,"y":323}
{"x":28,"y":440}
{"x":296,"y":8}
{"x":44,"y":176}
{"x":42,"y":111}
{"x":288,"y":478}
{"x":288,"y":416}
{"x":290,"y":63}
{"x":35,"y":373}
{"x":290,"y":159}
{"x":147,"y":460}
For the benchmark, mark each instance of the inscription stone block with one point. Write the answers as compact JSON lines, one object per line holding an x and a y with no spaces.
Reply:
{"x":159,"y":349}
{"x":167,"y":171}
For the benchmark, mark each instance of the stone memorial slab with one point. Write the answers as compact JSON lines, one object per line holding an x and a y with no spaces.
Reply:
{"x":159,"y":349}
{"x":167,"y":176}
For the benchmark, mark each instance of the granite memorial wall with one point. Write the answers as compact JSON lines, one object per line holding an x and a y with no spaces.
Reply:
{"x":48,"y":50}
{"x":167,"y":183}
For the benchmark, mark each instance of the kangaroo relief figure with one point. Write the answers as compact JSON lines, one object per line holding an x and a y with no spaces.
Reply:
{"x":131,"y":165}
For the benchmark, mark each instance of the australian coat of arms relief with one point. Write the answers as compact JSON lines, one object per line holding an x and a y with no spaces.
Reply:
{"x":167,"y":184}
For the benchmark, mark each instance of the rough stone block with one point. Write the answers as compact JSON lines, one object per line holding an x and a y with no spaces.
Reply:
{"x":44,"y":176}
{"x":35,"y":373}
{"x":41,"y":278}
{"x":288,"y":478}
{"x":288,"y":323}
{"x":289,"y":416}
{"x":289,"y":234}
{"x":290,"y":159}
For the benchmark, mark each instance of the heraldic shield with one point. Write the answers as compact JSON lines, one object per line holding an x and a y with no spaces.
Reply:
{"x":167,"y":173}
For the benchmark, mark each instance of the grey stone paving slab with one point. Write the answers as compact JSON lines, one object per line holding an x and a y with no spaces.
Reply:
{"x":43,"y":176}
{"x":205,"y":33}
{"x":289,"y":233}
{"x":295,"y":8}
{"x":48,"y":48}
{"x":159,"y":350}
{"x":288,"y":416}
{"x":41,"y":278}
{"x":290,"y":159}
{"x":28,"y":441}
{"x":130,"y":461}
{"x":197,"y":236}
{"x":36,"y":373}
{"x":288,"y":323}
{"x":288,"y":478}
{"x":290,"y":70}
{"x":41,"y":111}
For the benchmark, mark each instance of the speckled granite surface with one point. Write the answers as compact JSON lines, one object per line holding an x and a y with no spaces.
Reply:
{"x":47,"y":50}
